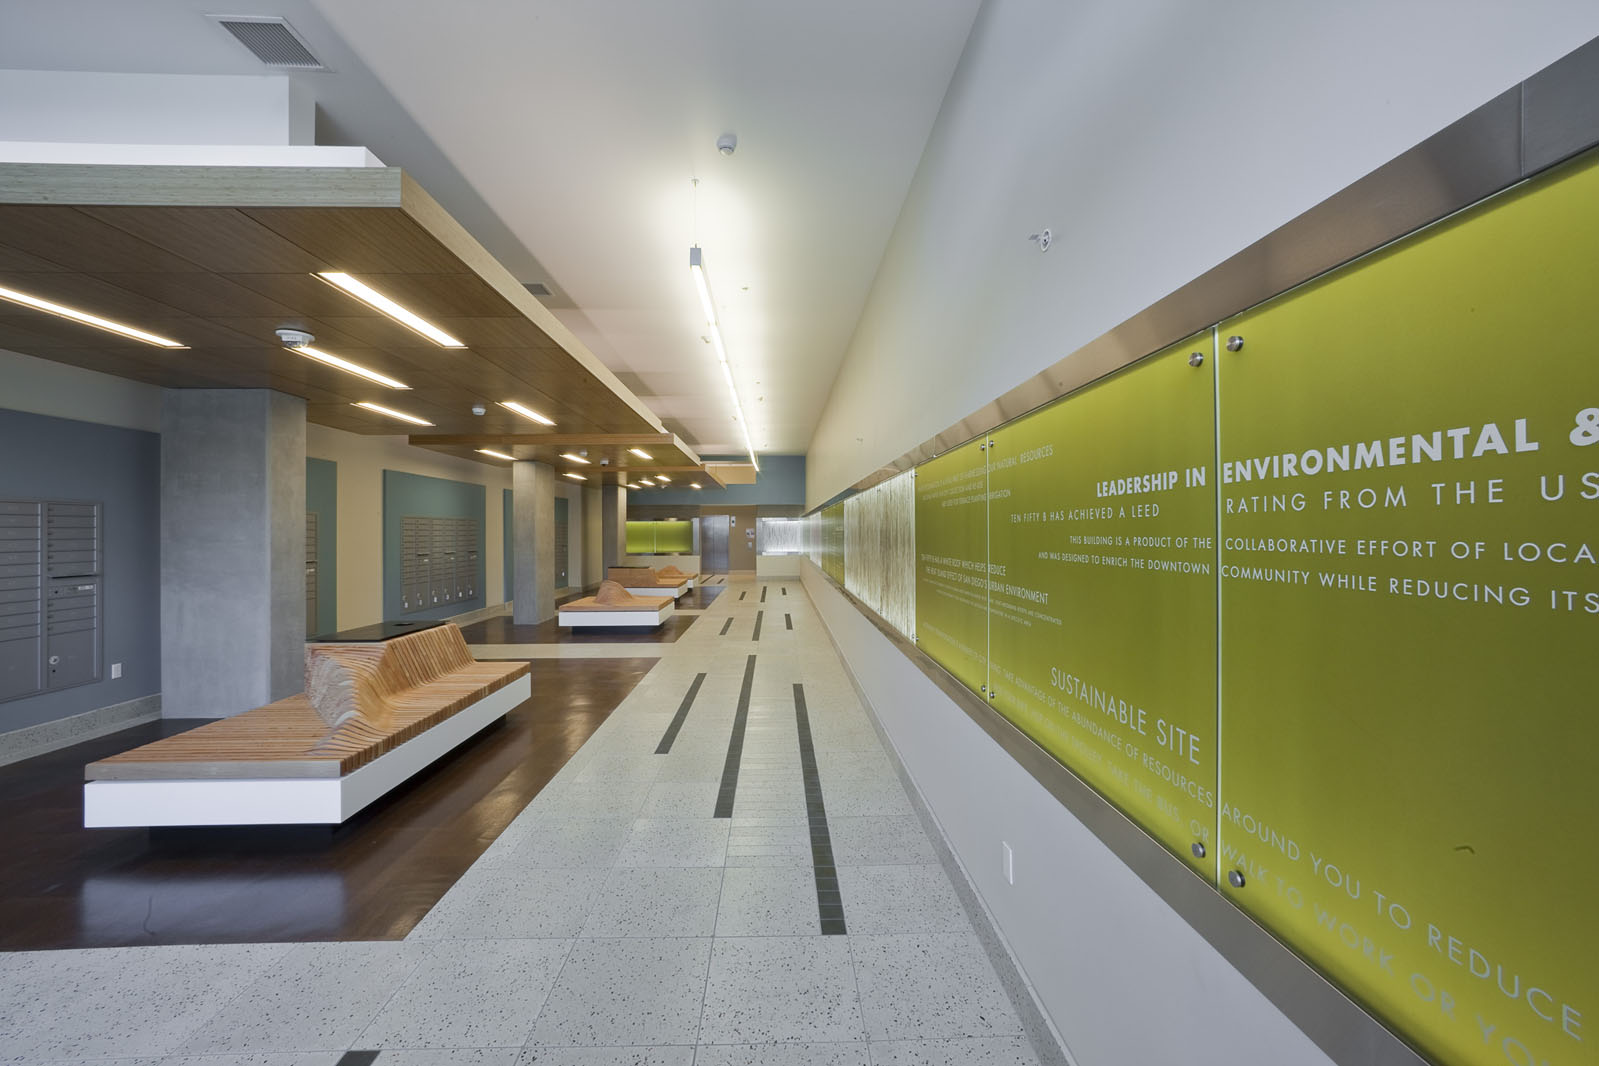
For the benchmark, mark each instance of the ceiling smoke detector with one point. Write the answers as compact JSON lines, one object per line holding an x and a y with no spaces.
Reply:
{"x":727,"y":143}
{"x":479,"y":410}
{"x":295,"y":338}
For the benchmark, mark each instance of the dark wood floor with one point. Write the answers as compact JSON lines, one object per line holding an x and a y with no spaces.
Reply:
{"x":64,"y":886}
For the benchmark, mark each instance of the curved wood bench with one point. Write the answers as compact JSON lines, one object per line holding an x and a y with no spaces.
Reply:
{"x":642,"y":581}
{"x":614,"y":605}
{"x":372,"y":716}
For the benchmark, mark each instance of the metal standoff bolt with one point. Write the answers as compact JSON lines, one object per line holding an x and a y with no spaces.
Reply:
{"x":1235,"y":878}
{"x":992,"y":694}
{"x":1234,"y":343}
{"x":1196,"y":359}
{"x":982,"y":689}
{"x":1198,"y":849}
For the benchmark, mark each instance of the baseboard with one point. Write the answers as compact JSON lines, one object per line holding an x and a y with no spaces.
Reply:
{"x":25,"y":743}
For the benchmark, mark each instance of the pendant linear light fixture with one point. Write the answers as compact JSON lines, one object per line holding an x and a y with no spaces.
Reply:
{"x":696,"y":267}
{"x":497,"y":455}
{"x":401,"y":415}
{"x":571,"y":458}
{"x":525,"y":412}
{"x":641,"y":453}
{"x":84,"y":318}
{"x":346,"y":366}
{"x":377,"y":301}
{"x":575,"y":477}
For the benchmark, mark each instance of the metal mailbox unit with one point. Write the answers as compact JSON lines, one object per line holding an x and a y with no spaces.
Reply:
{"x":439,"y":561}
{"x":51,"y":604}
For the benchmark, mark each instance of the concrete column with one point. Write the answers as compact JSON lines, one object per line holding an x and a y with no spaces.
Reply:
{"x":232,"y":550}
{"x":533,"y":541}
{"x":613,"y":523}
{"x":593,"y":539}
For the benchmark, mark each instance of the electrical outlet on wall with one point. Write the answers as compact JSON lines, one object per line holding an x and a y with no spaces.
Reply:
{"x":116,"y":671}
{"x":1009,"y":859}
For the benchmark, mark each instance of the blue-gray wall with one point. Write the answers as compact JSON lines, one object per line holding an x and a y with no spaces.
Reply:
{"x":322,"y":499}
{"x":428,"y":497}
{"x":781,"y":481}
{"x":59,"y":459}
{"x":506,"y":516}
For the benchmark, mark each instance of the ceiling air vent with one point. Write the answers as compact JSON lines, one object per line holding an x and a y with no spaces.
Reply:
{"x":272,"y":40}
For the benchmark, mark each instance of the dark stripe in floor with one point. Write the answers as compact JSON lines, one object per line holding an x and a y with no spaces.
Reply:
{"x":829,"y":903}
{"x":788,"y":621}
{"x":665,"y":747}
{"x":735,"y":744}
{"x":763,"y":593}
{"x":741,"y":595}
{"x":357,"y":1058}
{"x":758,"y":616}
{"x":725,"y":627}
{"x":785,"y":590}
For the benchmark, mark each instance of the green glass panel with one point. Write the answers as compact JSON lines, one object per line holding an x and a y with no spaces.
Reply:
{"x":1102,"y":519}
{"x":674,"y":536}
{"x":1410,"y":626}
{"x":641,"y":538}
{"x":952,"y":562}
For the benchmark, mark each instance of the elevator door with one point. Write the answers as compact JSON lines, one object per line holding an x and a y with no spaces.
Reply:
{"x":713,"y":543}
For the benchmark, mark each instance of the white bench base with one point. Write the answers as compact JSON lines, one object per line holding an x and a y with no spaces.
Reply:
{"x":290,"y":801}
{"x":614,"y":618}
{"x":657,"y":591}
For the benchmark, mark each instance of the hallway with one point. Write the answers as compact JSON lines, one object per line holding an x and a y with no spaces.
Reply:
{"x":728,"y":871}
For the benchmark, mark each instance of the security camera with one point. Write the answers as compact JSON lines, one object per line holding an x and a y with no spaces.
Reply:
{"x":726,"y":143}
{"x":479,"y":410}
{"x":295,"y":338}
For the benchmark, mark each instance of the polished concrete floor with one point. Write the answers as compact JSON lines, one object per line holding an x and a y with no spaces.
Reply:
{"x":727,"y":871}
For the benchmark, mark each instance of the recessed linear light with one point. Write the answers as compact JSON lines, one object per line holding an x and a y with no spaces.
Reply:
{"x":374,"y":299}
{"x":497,"y":455}
{"x":526,"y":412}
{"x":693,"y":484}
{"x":401,"y":415}
{"x":84,"y":318}
{"x":575,"y":477}
{"x":662,"y":478}
{"x":641,"y":453}
{"x":568,"y":456}
{"x":347,"y":366}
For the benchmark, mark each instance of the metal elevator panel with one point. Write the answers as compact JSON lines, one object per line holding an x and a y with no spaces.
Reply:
{"x":50,"y":595}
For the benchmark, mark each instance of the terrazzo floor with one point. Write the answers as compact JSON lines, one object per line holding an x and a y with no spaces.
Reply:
{"x":616,"y":920}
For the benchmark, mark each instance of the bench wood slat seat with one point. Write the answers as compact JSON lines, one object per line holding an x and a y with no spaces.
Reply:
{"x":614,"y":605}
{"x":365,"y":706}
{"x":642,"y":581}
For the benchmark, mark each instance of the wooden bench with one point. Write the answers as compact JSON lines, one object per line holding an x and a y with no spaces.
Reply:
{"x":672,"y":573}
{"x":642,"y":581}
{"x":614,"y":605}
{"x":372,"y":716}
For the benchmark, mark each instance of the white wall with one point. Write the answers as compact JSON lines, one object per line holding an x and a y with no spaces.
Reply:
{"x":1123,"y":978}
{"x":45,"y":388}
{"x":1155,"y":138}
{"x":66,"y":105}
{"x":362,"y":460}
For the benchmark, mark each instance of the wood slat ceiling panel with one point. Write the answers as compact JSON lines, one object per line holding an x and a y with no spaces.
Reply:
{"x":222,"y":279}
{"x":223,"y":240}
{"x":361,"y":240}
{"x":67,"y":236}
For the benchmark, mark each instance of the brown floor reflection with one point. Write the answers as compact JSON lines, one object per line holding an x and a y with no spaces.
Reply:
{"x":63,"y":886}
